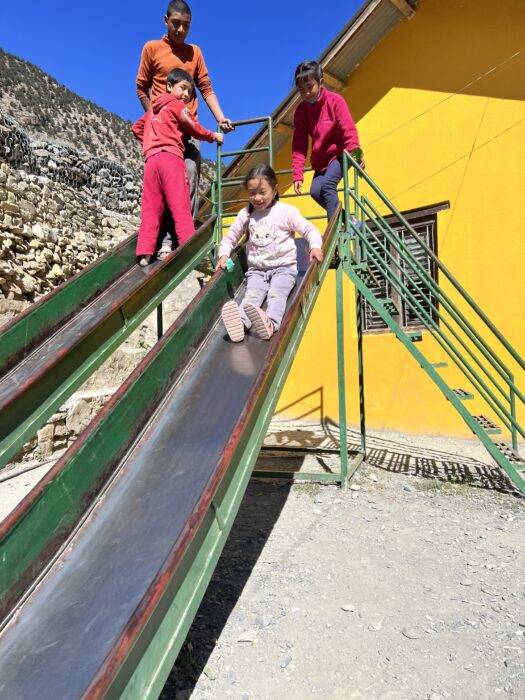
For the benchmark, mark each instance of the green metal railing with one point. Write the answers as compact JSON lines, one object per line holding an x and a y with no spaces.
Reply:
{"x":455,"y":321}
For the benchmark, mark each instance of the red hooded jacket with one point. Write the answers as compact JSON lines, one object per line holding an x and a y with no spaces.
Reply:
{"x":163,"y":128}
{"x":329,"y":124}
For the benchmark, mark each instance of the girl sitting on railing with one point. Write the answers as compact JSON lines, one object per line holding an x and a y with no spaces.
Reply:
{"x":323,"y":116}
{"x":270,"y":227}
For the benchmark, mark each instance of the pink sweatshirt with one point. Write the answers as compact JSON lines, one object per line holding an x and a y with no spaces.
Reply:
{"x":271,"y":236}
{"x":163,"y":128}
{"x":329,"y":124}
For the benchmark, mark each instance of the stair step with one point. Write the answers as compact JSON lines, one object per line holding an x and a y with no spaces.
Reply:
{"x":389,"y":306}
{"x":439,"y":365}
{"x":488,"y":426}
{"x":511,"y":454}
{"x":365,"y":274}
{"x":462,"y":394}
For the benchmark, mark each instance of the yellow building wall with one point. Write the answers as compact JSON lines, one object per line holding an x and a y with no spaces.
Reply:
{"x":440,"y":109}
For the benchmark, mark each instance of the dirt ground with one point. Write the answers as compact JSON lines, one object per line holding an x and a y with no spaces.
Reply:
{"x":408,"y":585}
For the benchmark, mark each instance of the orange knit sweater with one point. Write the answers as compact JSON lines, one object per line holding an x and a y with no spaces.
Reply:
{"x":159,"y":57}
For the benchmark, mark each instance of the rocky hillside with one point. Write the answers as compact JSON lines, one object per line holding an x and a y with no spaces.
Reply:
{"x":48,"y":110}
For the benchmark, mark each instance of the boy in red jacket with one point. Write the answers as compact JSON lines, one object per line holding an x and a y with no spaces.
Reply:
{"x":161,"y":133}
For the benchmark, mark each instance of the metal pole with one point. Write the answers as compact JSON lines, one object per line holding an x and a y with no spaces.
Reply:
{"x":160,"y":322}
{"x":219,"y":193}
{"x":339,"y":304}
{"x":514,"y":432}
{"x":360,"y":371}
{"x":270,"y":141}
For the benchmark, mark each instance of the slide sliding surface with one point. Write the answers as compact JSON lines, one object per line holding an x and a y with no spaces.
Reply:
{"x":42,"y":372}
{"x":108,"y":617}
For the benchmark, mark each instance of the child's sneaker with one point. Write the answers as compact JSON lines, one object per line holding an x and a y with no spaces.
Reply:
{"x":231,"y":317}
{"x":260,"y":321}
{"x":144,"y":260}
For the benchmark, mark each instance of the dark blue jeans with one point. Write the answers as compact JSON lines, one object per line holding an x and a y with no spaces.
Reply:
{"x":324,"y":186}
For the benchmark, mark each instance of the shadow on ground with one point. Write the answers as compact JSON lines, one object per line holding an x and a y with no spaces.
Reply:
{"x":400,"y":457}
{"x":259,"y":511}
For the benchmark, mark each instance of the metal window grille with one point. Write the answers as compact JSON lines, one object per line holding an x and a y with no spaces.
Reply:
{"x":425,"y":227}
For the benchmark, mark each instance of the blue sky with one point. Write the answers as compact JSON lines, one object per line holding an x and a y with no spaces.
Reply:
{"x":251,"y":49}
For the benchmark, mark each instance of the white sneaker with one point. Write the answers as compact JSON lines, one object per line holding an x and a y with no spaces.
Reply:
{"x":260,"y":321}
{"x":231,"y":317}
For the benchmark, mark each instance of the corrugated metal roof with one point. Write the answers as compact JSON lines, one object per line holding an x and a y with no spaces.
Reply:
{"x":364,"y":31}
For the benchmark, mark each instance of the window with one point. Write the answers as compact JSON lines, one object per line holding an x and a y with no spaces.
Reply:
{"x":424,"y":222}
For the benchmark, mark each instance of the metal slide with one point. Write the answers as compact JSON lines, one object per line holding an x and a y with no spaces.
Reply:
{"x":105,"y":562}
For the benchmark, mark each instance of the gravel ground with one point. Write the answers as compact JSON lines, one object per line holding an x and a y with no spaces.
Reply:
{"x":409,"y":584}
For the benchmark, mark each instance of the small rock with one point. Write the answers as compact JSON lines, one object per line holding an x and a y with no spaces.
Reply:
{"x":355,"y":487}
{"x":408,"y":488}
{"x":318,"y":499}
{"x":232,"y":677}
{"x":410,"y":633}
{"x":373,"y":478}
{"x":209,"y":673}
{"x":348,"y":607}
{"x":285,"y":661}
{"x":466,"y":582}
{"x":375,"y":627}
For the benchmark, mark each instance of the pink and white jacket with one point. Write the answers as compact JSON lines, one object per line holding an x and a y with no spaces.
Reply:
{"x":270,"y":236}
{"x":329,"y":124}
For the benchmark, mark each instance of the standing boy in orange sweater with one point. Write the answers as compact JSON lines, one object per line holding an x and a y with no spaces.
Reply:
{"x":159,"y":57}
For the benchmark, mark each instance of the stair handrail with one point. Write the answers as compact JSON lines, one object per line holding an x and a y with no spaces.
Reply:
{"x":434,"y":288}
{"x":505,"y":415}
{"x":479,"y":312}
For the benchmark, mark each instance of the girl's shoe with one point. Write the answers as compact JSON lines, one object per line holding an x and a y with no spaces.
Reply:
{"x":260,"y":321}
{"x":231,"y":317}
{"x":144,"y":260}
{"x":164,"y":252}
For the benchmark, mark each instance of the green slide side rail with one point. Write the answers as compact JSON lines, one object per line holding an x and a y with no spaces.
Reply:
{"x":38,"y":321}
{"x":468,"y":339}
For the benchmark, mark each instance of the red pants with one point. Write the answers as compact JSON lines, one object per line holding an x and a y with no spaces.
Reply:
{"x":165,"y":183}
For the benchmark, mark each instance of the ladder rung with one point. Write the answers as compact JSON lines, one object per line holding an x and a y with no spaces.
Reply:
{"x":511,"y":454}
{"x":462,"y":394}
{"x":488,"y":426}
{"x":244,"y":151}
{"x":415,"y":336}
{"x":389,"y":306}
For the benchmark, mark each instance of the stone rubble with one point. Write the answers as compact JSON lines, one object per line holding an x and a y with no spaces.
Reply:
{"x":60,"y":209}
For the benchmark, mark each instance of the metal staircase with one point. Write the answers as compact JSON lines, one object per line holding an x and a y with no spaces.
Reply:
{"x":374,"y":256}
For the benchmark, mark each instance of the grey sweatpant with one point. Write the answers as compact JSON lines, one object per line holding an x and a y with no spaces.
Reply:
{"x":274,"y":286}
